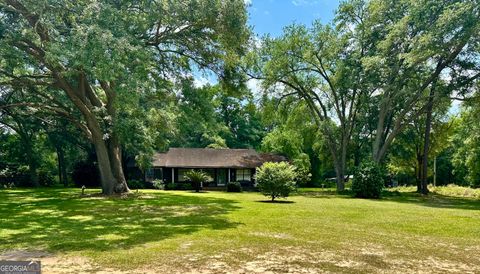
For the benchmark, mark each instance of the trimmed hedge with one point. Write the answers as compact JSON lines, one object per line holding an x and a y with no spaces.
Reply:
{"x":234,"y":187}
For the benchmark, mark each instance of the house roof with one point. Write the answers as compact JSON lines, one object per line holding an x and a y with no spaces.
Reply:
{"x":213,"y":158}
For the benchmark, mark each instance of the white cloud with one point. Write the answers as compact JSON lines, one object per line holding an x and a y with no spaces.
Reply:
{"x":248,"y":2}
{"x":305,"y":2}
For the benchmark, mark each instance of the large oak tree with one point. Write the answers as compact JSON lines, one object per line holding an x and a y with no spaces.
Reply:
{"x":103,"y":54}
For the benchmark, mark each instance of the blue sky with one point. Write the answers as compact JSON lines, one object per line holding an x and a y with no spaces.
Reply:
{"x":270,"y":16}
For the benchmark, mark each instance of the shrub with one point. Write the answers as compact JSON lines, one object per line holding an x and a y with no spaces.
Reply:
{"x":197,"y":177}
{"x":159,"y":184}
{"x":234,"y":187}
{"x":140,"y":184}
{"x":276,"y":179}
{"x":45,"y":178}
{"x":368,"y":181}
{"x":135,"y":184}
{"x":169,"y":186}
{"x":178,"y":186}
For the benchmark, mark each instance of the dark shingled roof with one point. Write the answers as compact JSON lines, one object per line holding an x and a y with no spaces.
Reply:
{"x":213,"y":158}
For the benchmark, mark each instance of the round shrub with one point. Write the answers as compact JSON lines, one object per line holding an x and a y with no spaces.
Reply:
{"x":368,"y":181}
{"x":234,"y":187}
{"x":159,"y":184}
{"x":276,"y":179}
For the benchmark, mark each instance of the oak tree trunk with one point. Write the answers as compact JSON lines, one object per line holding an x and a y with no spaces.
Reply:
{"x":418,"y":172}
{"x":426,"y":143}
{"x":102,"y":136}
{"x":109,"y":165}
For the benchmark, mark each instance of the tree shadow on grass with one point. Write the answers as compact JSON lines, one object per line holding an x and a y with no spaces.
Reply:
{"x":326,"y":193}
{"x":276,"y":202}
{"x":57,"y":220}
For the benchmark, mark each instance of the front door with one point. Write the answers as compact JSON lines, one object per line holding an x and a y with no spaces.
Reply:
{"x":221,"y":177}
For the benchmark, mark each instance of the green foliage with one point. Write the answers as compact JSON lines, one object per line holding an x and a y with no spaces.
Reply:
{"x":178,"y":186}
{"x":113,"y":69}
{"x":276,"y":179}
{"x":197,"y":178}
{"x":368,"y":181}
{"x":170,"y":186}
{"x":452,"y":190}
{"x":159,"y":184}
{"x":136,"y":184}
{"x":211,"y":116}
{"x":45,"y":178}
{"x":466,"y":147}
{"x":234,"y":187}
{"x":296,"y":137}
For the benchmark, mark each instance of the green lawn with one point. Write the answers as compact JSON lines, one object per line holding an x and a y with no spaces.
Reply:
{"x":224,"y":232}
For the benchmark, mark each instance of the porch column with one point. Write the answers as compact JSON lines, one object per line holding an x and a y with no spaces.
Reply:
{"x":173,"y":175}
{"x":228,"y":180}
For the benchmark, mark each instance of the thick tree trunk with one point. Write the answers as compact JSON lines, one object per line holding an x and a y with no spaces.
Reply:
{"x":109,"y":159}
{"x":106,"y":175}
{"x":426,"y":143}
{"x":418,"y":172}
{"x":342,"y":166}
{"x":106,"y":145}
{"x":115,"y":155}
{"x":377,"y":144}
{"x":340,"y":174}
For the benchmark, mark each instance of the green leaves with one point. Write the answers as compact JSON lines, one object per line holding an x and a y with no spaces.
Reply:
{"x":276,"y":179}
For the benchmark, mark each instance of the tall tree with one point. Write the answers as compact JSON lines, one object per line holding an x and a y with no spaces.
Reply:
{"x":104,"y":54}
{"x":320,"y":66}
{"x":417,"y":44}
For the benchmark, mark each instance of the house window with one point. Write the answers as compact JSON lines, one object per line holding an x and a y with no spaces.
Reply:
{"x":181,"y":175}
{"x":149,"y":174}
{"x":244,"y":175}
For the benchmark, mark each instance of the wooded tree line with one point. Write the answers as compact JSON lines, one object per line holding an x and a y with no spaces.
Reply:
{"x":105,"y":81}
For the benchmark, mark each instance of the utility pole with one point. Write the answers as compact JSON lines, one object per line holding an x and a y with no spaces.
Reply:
{"x":435,"y":171}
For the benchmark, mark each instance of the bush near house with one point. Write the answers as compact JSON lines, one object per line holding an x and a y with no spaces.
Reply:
{"x":159,"y":184}
{"x":197,"y":178}
{"x":139,"y":184}
{"x":178,"y":186}
{"x":368,"y":181}
{"x":234,"y":187}
{"x":276,"y":179}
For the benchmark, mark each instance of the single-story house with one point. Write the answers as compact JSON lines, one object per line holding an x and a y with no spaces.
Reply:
{"x":223,"y":165}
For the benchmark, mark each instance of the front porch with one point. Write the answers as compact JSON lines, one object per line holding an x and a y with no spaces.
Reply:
{"x":219,"y":176}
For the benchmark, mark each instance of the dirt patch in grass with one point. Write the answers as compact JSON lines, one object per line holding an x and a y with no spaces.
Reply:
{"x":370,"y":259}
{"x":56,"y":264}
{"x":285,"y":260}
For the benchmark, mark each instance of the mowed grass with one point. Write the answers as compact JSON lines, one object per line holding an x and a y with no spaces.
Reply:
{"x":176,"y":231}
